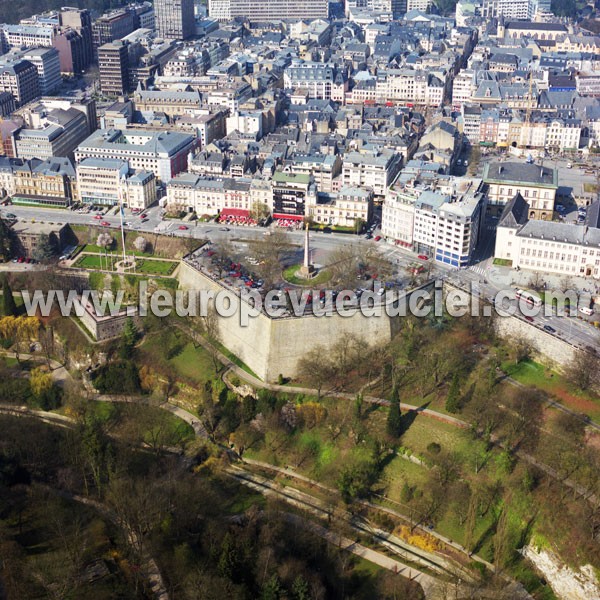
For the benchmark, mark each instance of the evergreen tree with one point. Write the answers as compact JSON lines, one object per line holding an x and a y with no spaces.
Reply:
{"x":394,"y":420}
{"x":5,"y":241}
{"x":300,"y":589}
{"x":9,"y":305}
{"x":128,"y":339}
{"x":272,"y":589}
{"x":453,"y":397}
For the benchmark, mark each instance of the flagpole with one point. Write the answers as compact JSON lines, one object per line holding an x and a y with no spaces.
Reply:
{"x":121,"y":211}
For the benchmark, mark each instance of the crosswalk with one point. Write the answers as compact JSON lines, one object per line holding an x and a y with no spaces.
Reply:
{"x":479,"y":270}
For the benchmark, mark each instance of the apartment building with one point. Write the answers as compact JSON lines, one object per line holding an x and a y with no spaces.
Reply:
{"x":509,"y":9}
{"x":398,"y":215}
{"x":140,"y":190}
{"x":315,"y":78}
{"x":548,"y":246}
{"x":291,"y":193}
{"x":163,"y":152}
{"x":324,"y":168}
{"x":210,"y":195}
{"x":375,"y":171}
{"x":536,"y":184}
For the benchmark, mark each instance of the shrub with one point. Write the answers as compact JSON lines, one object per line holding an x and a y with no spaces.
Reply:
{"x":434,"y":448}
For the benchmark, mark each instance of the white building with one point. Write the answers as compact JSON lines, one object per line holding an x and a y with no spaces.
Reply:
{"x":348,"y":208}
{"x":548,"y":246}
{"x":375,"y":171}
{"x":101,"y":180}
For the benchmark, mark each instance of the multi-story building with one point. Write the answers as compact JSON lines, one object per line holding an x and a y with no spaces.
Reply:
{"x":102,"y":180}
{"x":269,"y":10}
{"x":375,"y":171}
{"x":174,"y":19}
{"x":47,"y":64}
{"x":113,"y":62}
{"x":548,"y":246}
{"x":141,"y":190}
{"x":20,"y":78}
{"x":54,"y":132}
{"x":48,"y":183}
{"x":324,"y":168}
{"x":316,"y":78}
{"x":291,"y":193}
{"x":447,"y":227}
{"x":80,"y":20}
{"x":171,"y":103}
{"x":509,"y":9}
{"x":27,"y":236}
{"x":7,"y":104}
{"x":163,"y":152}
{"x":112,"y":26}
{"x":537,"y":185}
{"x":350,"y":207}
{"x":107,"y":181}
{"x":398,"y":215}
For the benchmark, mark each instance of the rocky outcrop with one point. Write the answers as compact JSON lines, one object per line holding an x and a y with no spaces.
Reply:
{"x":566,"y":583}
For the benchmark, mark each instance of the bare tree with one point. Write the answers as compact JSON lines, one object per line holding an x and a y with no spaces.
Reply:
{"x":316,"y":369}
{"x":140,"y":243}
{"x":582,"y":370}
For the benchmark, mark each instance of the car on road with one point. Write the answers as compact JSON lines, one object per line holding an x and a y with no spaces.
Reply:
{"x":224,"y":229}
{"x":143,"y":216}
{"x":105,"y":224}
{"x":423,"y":257}
{"x":528,"y":318}
{"x":97,"y":216}
{"x":10,"y":216}
{"x":182,"y":227}
{"x":549,"y":329}
{"x":377,"y":238}
{"x":145,"y":220}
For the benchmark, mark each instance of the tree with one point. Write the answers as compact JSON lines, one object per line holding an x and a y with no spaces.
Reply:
{"x":582,"y":370}
{"x":9,"y":304}
{"x":5,"y":241}
{"x":128,"y":339}
{"x":140,"y":244}
{"x":453,"y":397}
{"x":44,"y":392}
{"x":316,"y":369}
{"x":104,"y":240}
{"x":259,"y":211}
{"x":45,"y":249}
{"x":394,"y":418}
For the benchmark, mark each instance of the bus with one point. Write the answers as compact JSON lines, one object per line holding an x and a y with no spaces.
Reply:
{"x":530,"y":298}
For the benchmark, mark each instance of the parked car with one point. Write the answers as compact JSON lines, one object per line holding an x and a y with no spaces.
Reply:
{"x":549,"y":329}
{"x":423,"y":257}
{"x":182,"y":227}
{"x":377,"y":238}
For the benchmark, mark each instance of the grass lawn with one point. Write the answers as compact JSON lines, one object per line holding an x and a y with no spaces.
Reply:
{"x":156,"y":267}
{"x":191,"y":364}
{"x":503,"y":262}
{"x":289,"y":275}
{"x":534,"y":374}
{"x":145,"y":266}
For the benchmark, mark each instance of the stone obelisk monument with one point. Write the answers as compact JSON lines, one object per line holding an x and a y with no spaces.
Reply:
{"x":307,"y":270}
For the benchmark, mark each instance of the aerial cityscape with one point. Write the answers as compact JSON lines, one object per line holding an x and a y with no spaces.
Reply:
{"x":300,"y":300}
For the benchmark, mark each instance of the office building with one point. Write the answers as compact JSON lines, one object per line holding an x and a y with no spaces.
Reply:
{"x":113,"y":63}
{"x":47,"y":64}
{"x":163,"y":152}
{"x":20,"y":78}
{"x":268,"y":10}
{"x":112,"y":26}
{"x":80,"y":20}
{"x":174,"y":19}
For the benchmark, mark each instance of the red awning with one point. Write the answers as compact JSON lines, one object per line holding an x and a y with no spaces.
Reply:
{"x":290,"y":217}
{"x":234,"y":212}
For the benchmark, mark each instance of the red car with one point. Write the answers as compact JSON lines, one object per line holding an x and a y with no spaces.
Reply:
{"x":377,"y":238}
{"x":528,"y":318}
{"x":182,"y":227}
{"x":105,"y":224}
{"x":143,"y":216}
{"x":423,"y":257}
{"x":97,"y":216}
